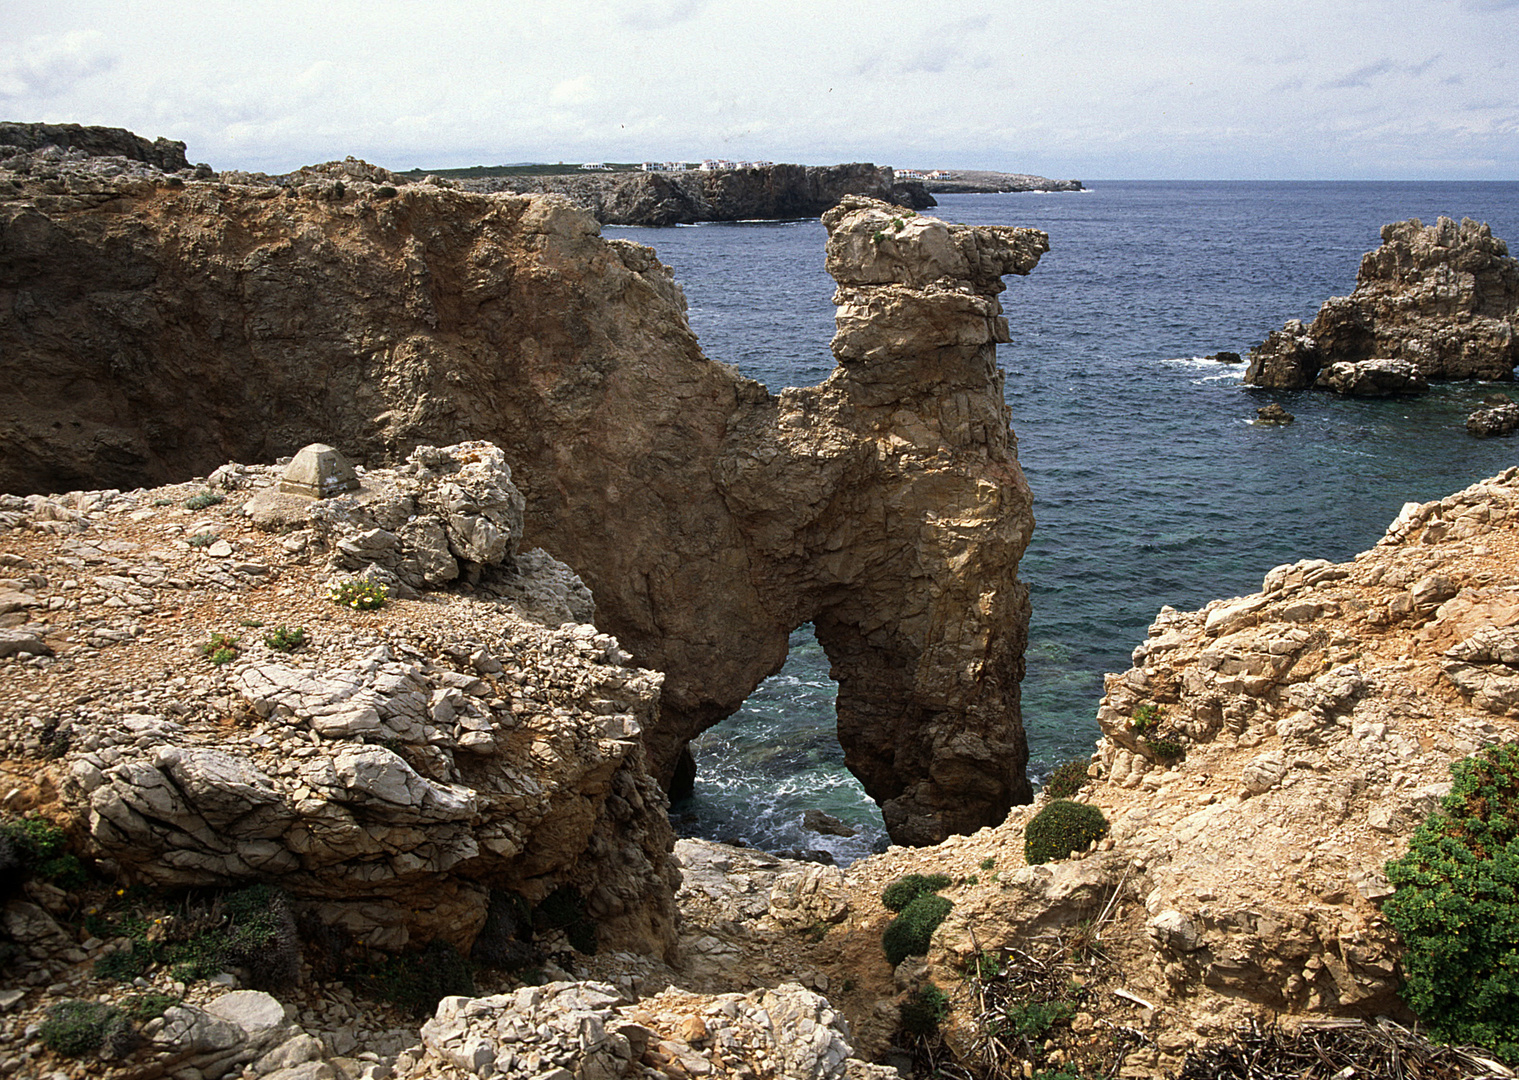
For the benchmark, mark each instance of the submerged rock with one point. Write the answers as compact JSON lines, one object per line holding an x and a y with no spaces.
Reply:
{"x":1273,"y":414}
{"x":1442,"y":297}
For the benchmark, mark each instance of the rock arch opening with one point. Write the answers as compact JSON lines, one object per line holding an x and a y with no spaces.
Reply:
{"x":764,"y":773}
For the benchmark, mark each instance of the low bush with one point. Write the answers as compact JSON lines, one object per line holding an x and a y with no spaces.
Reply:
{"x":1067,"y":779}
{"x":33,"y":847}
{"x":923,"y":1012}
{"x":204,"y":499}
{"x":1033,"y":1019}
{"x":220,"y":649}
{"x":1145,"y":717}
{"x":77,"y":1028}
{"x":1456,"y":906}
{"x":204,"y":539}
{"x":909,"y":933}
{"x":905,"y":890}
{"x":1061,"y":828}
{"x":1164,"y":749}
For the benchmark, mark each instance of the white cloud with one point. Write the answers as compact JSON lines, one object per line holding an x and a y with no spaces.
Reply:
{"x":46,"y":64}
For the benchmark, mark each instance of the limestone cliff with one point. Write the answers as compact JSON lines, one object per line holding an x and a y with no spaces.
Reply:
{"x":165,"y":154}
{"x":777,"y":192}
{"x":1443,"y":297}
{"x":152,"y":330}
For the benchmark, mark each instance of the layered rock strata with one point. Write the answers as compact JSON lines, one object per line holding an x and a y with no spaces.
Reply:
{"x":150,"y":330}
{"x":388,"y":768}
{"x":778,"y":192}
{"x":1443,"y":297}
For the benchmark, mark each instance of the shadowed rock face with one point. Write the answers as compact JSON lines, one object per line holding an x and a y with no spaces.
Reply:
{"x":150,"y":332}
{"x":166,"y":154}
{"x":1443,"y":297}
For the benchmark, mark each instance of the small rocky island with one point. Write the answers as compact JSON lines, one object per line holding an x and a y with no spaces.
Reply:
{"x":1434,"y":301}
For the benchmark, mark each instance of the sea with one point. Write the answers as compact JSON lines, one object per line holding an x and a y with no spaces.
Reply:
{"x":1151,"y":484}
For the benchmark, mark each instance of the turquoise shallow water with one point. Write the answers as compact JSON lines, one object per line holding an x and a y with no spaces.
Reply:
{"x":1151,"y":487}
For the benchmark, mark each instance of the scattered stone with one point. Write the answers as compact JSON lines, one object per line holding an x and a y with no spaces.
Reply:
{"x":1373,"y":378}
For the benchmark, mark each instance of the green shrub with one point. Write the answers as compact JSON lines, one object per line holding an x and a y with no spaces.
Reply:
{"x":1033,"y":1019}
{"x":385,"y":191}
{"x":909,"y":933}
{"x":924,"y":1011}
{"x":1164,"y":749}
{"x":37,"y":851}
{"x":1061,"y":828}
{"x":1456,"y":905}
{"x":1067,"y":779}
{"x":906,"y":889}
{"x":360,"y":594}
{"x":284,"y":639}
{"x":77,"y":1028}
{"x":204,"y":499}
{"x":205,"y":539}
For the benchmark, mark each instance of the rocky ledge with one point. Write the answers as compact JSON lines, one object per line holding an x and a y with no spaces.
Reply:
{"x":1442,"y":298}
{"x":981,"y":182}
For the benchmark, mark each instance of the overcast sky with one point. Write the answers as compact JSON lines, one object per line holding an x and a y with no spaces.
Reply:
{"x":1086,"y":89}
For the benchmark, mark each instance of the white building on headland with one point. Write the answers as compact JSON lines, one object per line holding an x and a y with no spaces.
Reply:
{"x":919,"y":174}
{"x":664,"y":166}
{"x":596,"y":166}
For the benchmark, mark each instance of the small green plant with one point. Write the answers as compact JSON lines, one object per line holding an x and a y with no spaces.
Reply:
{"x":1067,"y":779}
{"x":908,"y":888}
{"x":284,"y":639}
{"x":385,"y":191}
{"x":923,"y":1011}
{"x":220,"y":649}
{"x":361,"y":594}
{"x":163,"y":502}
{"x":1033,"y":1019}
{"x":251,"y":624}
{"x":1456,"y":906}
{"x":1145,"y":717}
{"x":204,"y":539}
{"x":974,"y":879}
{"x":877,"y":236}
{"x":983,"y":966}
{"x":988,"y":863}
{"x":897,"y":224}
{"x":1164,"y":749}
{"x":909,"y":933}
{"x":1061,"y":828}
{"x":204,"y":499}
{"x":77,"y":1028}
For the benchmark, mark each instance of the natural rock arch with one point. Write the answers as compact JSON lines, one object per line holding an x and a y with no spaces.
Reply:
{"x":151,"y":331}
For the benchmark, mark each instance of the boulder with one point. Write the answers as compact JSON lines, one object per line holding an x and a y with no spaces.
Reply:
{"x":1383,"y":377}
{"x":1495,"y":420}
{"x":1273,"y":414}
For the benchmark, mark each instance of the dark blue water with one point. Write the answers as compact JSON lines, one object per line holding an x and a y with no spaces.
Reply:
{"x":1151,"y":487}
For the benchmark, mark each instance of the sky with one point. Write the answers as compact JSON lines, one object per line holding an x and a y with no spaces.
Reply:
{"x":1164,"y":89}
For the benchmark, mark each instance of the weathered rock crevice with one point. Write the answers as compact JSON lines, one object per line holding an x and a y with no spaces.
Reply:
{"x":153,"y":330}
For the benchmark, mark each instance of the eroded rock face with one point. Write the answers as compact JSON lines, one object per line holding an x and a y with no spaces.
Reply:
{"x":151,"y":331}
{"x":1443,"y":297}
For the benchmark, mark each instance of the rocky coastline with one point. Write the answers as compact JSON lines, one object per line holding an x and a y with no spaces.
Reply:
{"x":372,"y":785}
{"x":981,"y":182}
{"x":748,"y":193}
